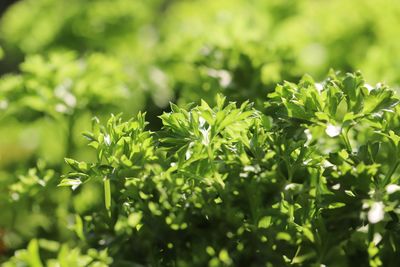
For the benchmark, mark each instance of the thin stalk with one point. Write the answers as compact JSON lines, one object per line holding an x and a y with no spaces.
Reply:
{"x":390,"y":173}
{"x":69,"y":144}
{"x":346,"y":141}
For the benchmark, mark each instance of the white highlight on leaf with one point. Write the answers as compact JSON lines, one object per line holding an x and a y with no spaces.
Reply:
{"x":206,"y":139}
{"x":376,"y":213}
{"x":336,"y":187}
{"x":377,"y":238}
{"x":107,"y":139}
{"x":319,"y":87}
{"x":61,"y":108}
{"x":3,"y":104}
{"x":41,"y":182}
{"x":308,"y":134}
{"x":327,"y":164}
{"x":63,"y":92}
{"x":15,"y":196}
{"x":189,"y":151}
{"x":369,"y":87}
{"x":161,"y":86}
{"x":223,"y":76}
{"x":363,"y":229}
{"x":202,"y":121}
{"x":292,"y":186}
{"x":188,"y":154}
{"x":332,"y":130}
{"x":249,"y":168}
{"x":70,"y":100}
{"x":392,"y":188}
{"x":75,"y":183}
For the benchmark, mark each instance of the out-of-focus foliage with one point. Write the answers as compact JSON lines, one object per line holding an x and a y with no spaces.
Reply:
{"x":303,"y":176}
{"x":345,"y":35}
{"x":58,"y":94}
{"x":68,"y":91}
{"x":64,"y":85}
{"x":29,"y":197}
{"x":64,"y":256}
{"x":205,"y":46}
{"x":34,"y":26}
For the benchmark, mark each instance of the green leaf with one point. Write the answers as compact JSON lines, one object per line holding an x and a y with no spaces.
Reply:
{"x":134,"y":219}
{"x":79,"y":227}
{"x":34,"y":257}
{"x":350,"y":86}
{"x":74,"y":183}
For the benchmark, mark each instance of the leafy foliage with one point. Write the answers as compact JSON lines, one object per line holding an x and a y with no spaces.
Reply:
{"x":273,"y":40}
{"x":63,"y":84}
{"x":65,"y":257}
{"x":91,"y":25}
{"x":58,"y":92}
{"x":313,"y":180}
{"x":304,"y":174}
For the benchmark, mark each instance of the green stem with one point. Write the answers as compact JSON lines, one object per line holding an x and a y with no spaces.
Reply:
{"x":390,"y":173}
{"x":107,"y":195}
{"x":346,"y":141}
{"x":69,"y":144}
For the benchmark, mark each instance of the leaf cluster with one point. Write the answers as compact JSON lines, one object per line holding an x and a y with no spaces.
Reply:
{"x":311,"y":180}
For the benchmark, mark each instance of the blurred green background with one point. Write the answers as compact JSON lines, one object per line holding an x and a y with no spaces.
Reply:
{"x":64,"y":62}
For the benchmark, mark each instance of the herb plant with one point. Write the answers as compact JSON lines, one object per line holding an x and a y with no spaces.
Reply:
{"x":310,"y":180}
{"x":270,"y":168}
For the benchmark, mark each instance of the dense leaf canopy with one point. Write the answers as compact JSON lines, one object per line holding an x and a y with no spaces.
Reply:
{"x":215,"y":133}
